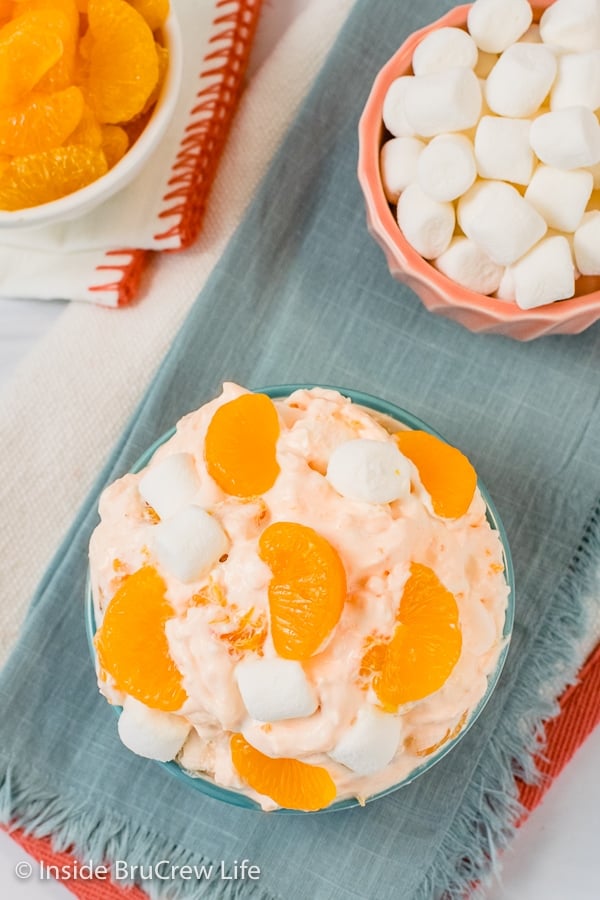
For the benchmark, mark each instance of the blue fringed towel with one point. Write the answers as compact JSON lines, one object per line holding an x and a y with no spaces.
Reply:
{"x":303,"y":295}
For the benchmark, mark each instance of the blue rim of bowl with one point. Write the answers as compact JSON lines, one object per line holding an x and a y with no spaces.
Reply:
{"x":235,"y":798}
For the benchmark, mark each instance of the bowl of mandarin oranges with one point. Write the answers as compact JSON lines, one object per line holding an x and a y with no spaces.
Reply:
{"x":299,"y":599}
{"x":87,"y":89}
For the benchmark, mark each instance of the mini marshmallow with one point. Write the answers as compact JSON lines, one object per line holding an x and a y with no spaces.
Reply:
{"x":577,"y":81}
{"x":446,"y":167}
{"x":572,"y":25}
{"x":189,"y":544}
{"x":502,"y":149}
{"x":275,"y":689}
{"x":370,"y":743}
{"x":443,"y":101}
{"x":567,"y":138}
{"x":506,"y":288}
{"x":427,"y":225}
{"x":520,"y":80}
{"x":495,"y":216}
{"x":467,"y":264}
{"x":443,"y":49}
{"x":393,"y":111}
{"x":587,"y":244}
{"x":545,"y":274}
{"x":560,"y":197}
{"x":398,"y":165}
{"x":197,"y":754}
{"x":151,"y":732}
{"x":496,"y":24}
{"x":569,"y":236}
{"x":369,"y":471}
{"x":170,"y":484}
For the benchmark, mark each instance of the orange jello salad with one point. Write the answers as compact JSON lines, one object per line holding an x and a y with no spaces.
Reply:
{"x":296,"y":599}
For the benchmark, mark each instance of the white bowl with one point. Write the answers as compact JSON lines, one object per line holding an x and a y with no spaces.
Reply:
{"x":74,"y":205}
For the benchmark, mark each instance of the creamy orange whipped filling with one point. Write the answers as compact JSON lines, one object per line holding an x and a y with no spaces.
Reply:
{"x":303,"y":642}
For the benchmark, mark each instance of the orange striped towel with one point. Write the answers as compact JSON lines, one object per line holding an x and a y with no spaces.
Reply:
{"x":579,"y":715}
{"x":100,"y":257}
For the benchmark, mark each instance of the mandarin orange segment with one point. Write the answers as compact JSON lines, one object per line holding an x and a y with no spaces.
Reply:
{"x":29,"y":46}
{"x":426,"y":600}
{"x":132,"y":645}
{"x":123,"y":61}
{"x":65,"y":23}
{"x":40,"y":122}
{"x":240,"y":445}
{"x":162,"y":55}
{"x":446,"y":473}
{"x":115,"y":143}
{"x":88,"y":132}
{"x":42,"y":177}
{"x":60,"y":75}
{"x":307,"y":590}
{"x":154,"y":12}
{"x":425,"y":645}
{"x":289,"y":782}
{"x":68,"y":8}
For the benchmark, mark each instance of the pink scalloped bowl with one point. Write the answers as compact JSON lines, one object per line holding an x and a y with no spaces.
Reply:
{"x":438,"y":293}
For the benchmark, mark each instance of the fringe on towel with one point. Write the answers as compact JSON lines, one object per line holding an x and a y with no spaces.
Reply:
{"x":491,"y":807}
{"x":91,"y":833}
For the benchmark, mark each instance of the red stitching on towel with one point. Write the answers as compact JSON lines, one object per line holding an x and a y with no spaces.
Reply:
{"x":579,"y":715}
{"x":196,"y":164}
{"x":131,"y":272}
{"x":205,"y":135}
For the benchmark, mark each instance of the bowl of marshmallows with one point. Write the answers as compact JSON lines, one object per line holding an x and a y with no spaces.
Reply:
{"x":479,"y":160}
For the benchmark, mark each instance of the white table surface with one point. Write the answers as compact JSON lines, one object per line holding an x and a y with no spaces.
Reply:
{"x":556,"y":855}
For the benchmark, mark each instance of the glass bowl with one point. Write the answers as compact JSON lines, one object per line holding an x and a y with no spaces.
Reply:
{"x":440,"y":295}
{"x":206,"y":785}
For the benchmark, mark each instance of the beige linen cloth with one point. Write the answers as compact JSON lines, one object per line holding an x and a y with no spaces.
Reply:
{"x":69,"y":400}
